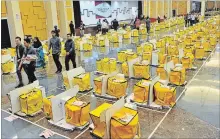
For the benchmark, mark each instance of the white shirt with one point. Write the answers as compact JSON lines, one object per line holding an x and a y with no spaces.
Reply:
{"x":104,"y":25}
{"x":193,"y":17}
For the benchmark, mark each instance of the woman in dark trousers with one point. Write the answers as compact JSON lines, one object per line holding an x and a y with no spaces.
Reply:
{"x":40,"y":54}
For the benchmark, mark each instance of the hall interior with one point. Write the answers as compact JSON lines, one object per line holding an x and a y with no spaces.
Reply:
{"x":177,"y":103}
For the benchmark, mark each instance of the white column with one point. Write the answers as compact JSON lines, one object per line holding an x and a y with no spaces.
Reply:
{"x":51,"y":12}
{"x":188,"y":6}
{"x":63,"y":19}
{"x":168,"y":8}
{"x":203,"y":7}
{"x":156,"y":9}
{"x":177,"y":10}
{"x":171,"y":8}
{"x":163,"y":13}
{"x":216,"y":6}
{"x":14,"y":21}
{"x":144,"y":7}
{"x":148,"y":7}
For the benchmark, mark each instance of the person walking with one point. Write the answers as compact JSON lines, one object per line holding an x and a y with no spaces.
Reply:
{"x":99,"y":26}
{"x":115,"y":24}
{"x":55,"y":44}
{"x":72,"y":29}
{"x":158,"y":19}
{"x":40,"y":53}
{"x":164,"y":17}
{"x":186,"y":20}
{"x":189,"y":19}
{"x":28,"y":61}
{"x":193,"y":19}
{"x":19,"y":52}
{"x":148,"y":24}
{"x":57,"y":31}
{"x":137,"y":24}
{"x":134,"y":24}
{"x":107,"y":25}
{"x":70,"y":52}
{"x":104,"y":27}
{"x":82,"y":29}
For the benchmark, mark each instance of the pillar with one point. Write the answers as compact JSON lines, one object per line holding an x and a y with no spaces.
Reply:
{"x":14,"y":21}
{"x":148,"y":7}
{"x":216,"y":6}
{"x":166,"y":8}
{"x":144,"y":7}
{"x":203,"y":7}
{"x":171,"y":8}
{"x":156,"y":12}
{"x":163,"y":8}
{"x":63,"y":19}
{"x":51,"y":12}
{"x":177,"y":10}
{"x":188,"y":6}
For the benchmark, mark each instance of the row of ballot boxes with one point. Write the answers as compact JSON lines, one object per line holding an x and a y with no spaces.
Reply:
{"x":67,"y":110}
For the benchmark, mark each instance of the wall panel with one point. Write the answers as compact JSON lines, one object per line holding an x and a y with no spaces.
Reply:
{"x":33,"y":18}
{"x":58,"y":14}
{"x":166,"y":8}
{"x":3,"y":9}
{"x":182,"y":7}
{"x":69,"y":13}
{"x":160,"y":9}
{"x":153,"y":9}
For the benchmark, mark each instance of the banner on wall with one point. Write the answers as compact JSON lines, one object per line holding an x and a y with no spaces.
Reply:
{"x":103,"y":9}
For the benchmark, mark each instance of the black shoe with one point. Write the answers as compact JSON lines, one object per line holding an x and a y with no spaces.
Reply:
{"x":19,"y":85}
{"x":57,"y":71}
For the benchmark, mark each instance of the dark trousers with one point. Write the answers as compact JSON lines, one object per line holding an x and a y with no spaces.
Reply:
{"x":104,"y":31}
{"x":98,"y":28}
{"x":148,"y":30}
{"x":68,"y":58}
{"x":115,"y":28}
{"x":29,"y":70}
{"x":191,"y":22}
{"x":18,"y":71}
{"x":72,"y":32}
{"x":57,"y":61}
{"x":186,"y":22}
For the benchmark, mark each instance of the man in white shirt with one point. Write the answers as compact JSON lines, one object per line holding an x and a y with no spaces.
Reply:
{"x":193,"y":18}
{"x":104,"y":27}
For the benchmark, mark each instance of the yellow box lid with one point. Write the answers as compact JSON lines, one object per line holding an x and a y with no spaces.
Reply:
{"x":96,"y":112}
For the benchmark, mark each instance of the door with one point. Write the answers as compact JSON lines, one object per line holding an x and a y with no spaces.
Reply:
{"x":174,"y":13}
{"x":77,"y":14}
{"x":6,"y":42}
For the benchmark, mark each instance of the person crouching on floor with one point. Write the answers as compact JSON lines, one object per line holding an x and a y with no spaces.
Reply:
{"x":29,"y":61}
{"x":70,"y":52}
